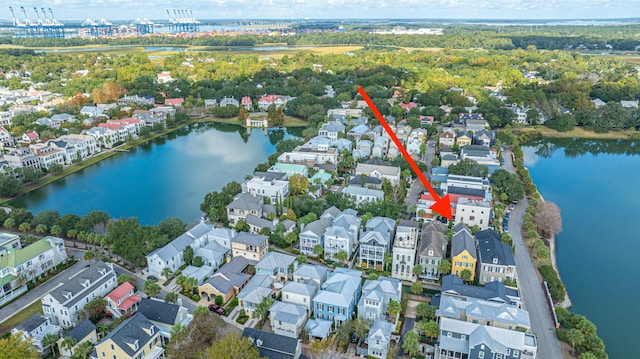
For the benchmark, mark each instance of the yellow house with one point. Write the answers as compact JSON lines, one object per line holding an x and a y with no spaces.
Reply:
{"x":85,"y":331}
{"x":463,"y":252}
{"x":135,"y":338}
{"x":250,"y":245}
{"x":464,"y":139}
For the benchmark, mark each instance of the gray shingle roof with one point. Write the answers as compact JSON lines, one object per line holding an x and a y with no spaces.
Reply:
{"x":273,"y":260}
{"x":299,"y":288}
{"x":462,"y":241}
{"x":287,"y":312}
{"x":270,"y":345}
{"x":492,"y":291}
{"x":158,"y":311}
{"x":311,"y":272}
{"x":81,"y":330}
{"x":250,"y":239}
{"x":434,"y":240}
{"x":224,"y":282}
{"x":75,"y":285}
{"x":130,"y":330}
{"x":246,"y":201}
{"x":490,"y":247}
{"x":32,"y":323}
{"x":381,"y":330}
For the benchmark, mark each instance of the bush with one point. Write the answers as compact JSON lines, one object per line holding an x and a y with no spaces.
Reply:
{"x":556,"y":287}
{"x":243,"y":319}
{"x":195,"y":297}
{"x":219,"y":300}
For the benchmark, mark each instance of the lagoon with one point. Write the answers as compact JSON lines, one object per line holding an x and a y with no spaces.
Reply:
{"x":598,"y":252}
{"x":165,"y":177}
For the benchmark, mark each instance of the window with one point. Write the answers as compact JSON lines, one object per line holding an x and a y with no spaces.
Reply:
{"x":508,"y":351}
{"x":449,"y":334}
{"x":481,"y":355}
{"x":463,"y":337}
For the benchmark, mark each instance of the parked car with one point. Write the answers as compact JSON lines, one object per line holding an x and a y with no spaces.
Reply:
{"x":152,"y":278}
{"x":216,"y":308}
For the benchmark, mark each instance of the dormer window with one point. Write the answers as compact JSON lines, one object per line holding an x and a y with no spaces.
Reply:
{"x":495,"y":260}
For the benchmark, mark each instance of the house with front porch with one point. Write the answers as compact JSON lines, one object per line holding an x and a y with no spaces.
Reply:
{"x":85,"y":331}
{"x":343,"y":234}
{"x":463,"y":252}
{"x":376,"y":295}
{"x":376,"y":242}
{"x":379,"y":339}
{"x":312,"y":234}
{"x":390,"y":173}
{"x":475,"y":310}
{"x":259,"y":287}
{"x":135,"y":338}
{"x":287,"y":319}
{"x":432,"y":249}
{"x":495,"y":258}
{"x":300,"y":293}
{"x":277,"y":264}
{"x":404,"y":250}
{"x":337,"y":299}
{"x":35,"y":328}
{"x":250,"y":245}
{"x":122,"y":301}
{"x":311,"y":274}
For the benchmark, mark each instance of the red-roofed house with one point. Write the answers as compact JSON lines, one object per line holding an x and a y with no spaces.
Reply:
{"x":31,"y":137}
{"x":408,"y":106}
{"x":121,"y":300}
{"x":426,"y":120}
{"x":247,"y":102}
{"x":277,"y":100}
{"x":174,"y":101}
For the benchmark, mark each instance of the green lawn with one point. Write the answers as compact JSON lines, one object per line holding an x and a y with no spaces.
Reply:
{"x":7,"y":325}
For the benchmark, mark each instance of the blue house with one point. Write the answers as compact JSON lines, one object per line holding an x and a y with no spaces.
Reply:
{"x":337,"y":299}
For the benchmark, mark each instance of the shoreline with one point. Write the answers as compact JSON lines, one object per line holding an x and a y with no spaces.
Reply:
{"x":577,"y":132}
{"x":107,"y":153}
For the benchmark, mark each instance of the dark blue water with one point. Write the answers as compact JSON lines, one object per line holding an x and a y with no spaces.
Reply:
{"x":595,"y":183}
{"x":166,"y":177}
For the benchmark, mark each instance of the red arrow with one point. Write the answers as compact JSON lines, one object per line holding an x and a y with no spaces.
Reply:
{"x":442,"y":205}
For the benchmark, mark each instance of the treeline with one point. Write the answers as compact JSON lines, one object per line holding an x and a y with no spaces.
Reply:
{"x":124,"y":237}
{"x":581,"y":334}
{"x":574,"y":42}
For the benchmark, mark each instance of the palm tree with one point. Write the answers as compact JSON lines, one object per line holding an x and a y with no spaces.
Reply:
{"x":180,"y":280}
{"x":83,"y":350}
{"x":151,"y":288}
{"x":50,"y":340}
{"x":318,"y":250}
{"x":189,"y":284}
{"x":101,"y":329}
{"x":171,"y":297}
{"x":72,"y":233}
{"x":342,"y":256}
{"x":466,"y":275}
{"x":388,"y":259}
{"x":68,"y":343}
{"x":444,"y":267}
{"x":177,"y":329}
{"x":89,"y":255}
{"x":167,"y":272}
{"x":393,"y":308}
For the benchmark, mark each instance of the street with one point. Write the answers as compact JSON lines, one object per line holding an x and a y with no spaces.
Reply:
{"x":530,"y":287}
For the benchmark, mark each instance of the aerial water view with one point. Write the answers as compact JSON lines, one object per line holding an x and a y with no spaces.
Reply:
{"x":319,"y":179}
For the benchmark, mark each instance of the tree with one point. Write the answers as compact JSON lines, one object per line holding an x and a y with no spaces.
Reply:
{"x":393,"y":308}
{"x":387,"y":260}
{"x":126,"y":278}
{"x":548,"y":218}
{"x":56,"y":230}
{"x":426,"y":311}
{"x":68,"y":343}
{"x":197,"y":261}
{"x":506,"y":183}
{"x":431,"y":329}
{"x":444,"y":267}
{"x":41,"y":228}
{"x":233,"y":346}
{"x":14,"y":346}
{"x":418,"y":269}
{"x":171,"y":297}
{"x":89,"y":256}
{"x":24,"y":227}
{"x":306,"y":219}
{"x":167,"y":272}
{"x":262,"y":309}
{"x":9,"y":223}
{"x":189,"y":284}
{"x":50,"y":341}
{"x":320,"y":349}
{"x":468,"y":167}
{"x":82,"y":350}
{"x":416,"y":288}
{"x":151,"y":288}
{"x":55,"y":169}
{"x":318,"y":250}
{"x":575,"y":336}
{"x":298,"y":184}
{"x":187,"y":255}
{"x":242,"y":226}
{"x":466,"y":275}
{"x":342,"y":256}
{"x":301,"y":259}
{"x":411,"y":344}
{"x":96,"y":309}
{"x":177,"y":329}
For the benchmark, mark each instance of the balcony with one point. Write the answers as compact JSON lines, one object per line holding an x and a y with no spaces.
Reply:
{"x":155,"y":353}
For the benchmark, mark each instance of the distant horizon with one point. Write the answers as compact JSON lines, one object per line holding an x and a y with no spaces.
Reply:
{"x":373,"y":19}
{"x":300,"y":10}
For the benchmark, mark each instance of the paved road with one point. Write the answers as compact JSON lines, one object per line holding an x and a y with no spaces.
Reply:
{"x":37,"y":293}
{"x":529,"y":284}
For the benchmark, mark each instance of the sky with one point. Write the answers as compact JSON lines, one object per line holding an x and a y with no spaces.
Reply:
{"x":332,"y":9}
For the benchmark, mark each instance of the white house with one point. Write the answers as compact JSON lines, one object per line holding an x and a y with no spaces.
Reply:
{"x":267,"y":185}
{"x":376,"y":295}
{"x":404,"y":250}
{"x":331,"y":130}
{"x":201,"y":235}
{"x":473,"y":212}
{"x":75,"y":147}
{"x":35,"y":329}
{"x":361,"y":194}
{"x":62,"y":304}
{"x":287,"y":319}
{"x":300,"y":294}
{"x":20,"y":265}
{"x":90,"y":111}
{"x":379,"y":339}
{"x":104,"y":136}
{"x":343,"y":234}
{"x":390,"y":173}
{"x":376,"y":242}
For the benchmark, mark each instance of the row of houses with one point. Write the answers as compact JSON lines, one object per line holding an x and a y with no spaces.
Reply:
{"x":263,"y":103}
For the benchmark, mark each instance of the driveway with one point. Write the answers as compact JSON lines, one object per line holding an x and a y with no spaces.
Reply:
{"x":529,"y":284}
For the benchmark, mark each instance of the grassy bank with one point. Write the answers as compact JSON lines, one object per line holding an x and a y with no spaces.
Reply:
{"x":21,"y":316}
{"x":289,"y":121}
{"x":578,"y":132}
